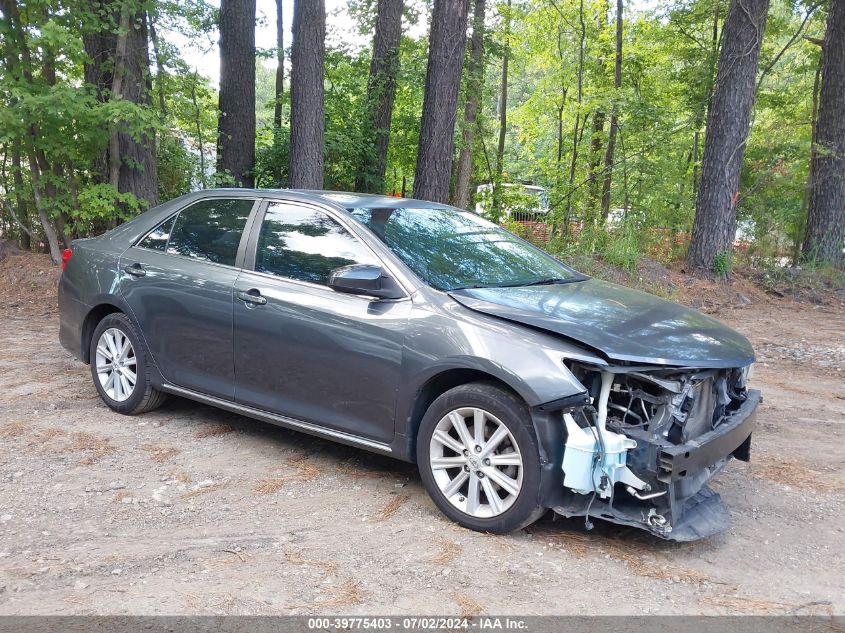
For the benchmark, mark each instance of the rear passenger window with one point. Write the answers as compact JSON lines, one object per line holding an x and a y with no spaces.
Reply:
{"x":210,"y":230}
{"x":157,"y":238}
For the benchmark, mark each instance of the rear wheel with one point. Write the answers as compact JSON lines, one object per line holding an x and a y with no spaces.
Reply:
{"x":478,"y":458}
{"x":119,"y":367}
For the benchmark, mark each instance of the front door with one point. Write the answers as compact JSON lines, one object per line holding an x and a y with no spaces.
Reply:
{"x":308,"y":352}
{"x":178,"y":282}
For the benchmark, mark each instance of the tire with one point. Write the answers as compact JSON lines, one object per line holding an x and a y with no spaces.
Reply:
{"x":143,"y":396}
{"x":499,"y":408}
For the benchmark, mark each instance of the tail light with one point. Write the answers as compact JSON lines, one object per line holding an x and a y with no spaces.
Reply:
{"x":66,"y":255}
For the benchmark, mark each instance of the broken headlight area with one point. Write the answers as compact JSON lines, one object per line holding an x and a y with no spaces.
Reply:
{"x":642,"y":452}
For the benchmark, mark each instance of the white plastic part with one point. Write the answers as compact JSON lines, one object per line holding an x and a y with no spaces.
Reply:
{"x":604,"y":396}
{"x":584,"y":462}
{"x":578,"y":456}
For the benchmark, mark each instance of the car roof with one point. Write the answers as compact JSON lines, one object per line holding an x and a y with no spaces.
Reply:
{"x":353,"y":200}
{"x":140,"y":224}
{"x":345,"y":199}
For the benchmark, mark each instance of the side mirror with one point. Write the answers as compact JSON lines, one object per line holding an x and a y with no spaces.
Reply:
{"x":365,"y":279}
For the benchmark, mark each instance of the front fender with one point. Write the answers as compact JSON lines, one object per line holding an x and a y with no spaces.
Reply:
{"x":447,"y":337}
{"x":538,"y":377}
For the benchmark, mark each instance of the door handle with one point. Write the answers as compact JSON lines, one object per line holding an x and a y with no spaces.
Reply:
{"x":251,"y":296}
{"x":136,"y":270}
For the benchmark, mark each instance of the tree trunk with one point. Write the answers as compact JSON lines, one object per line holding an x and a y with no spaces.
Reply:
{"x":703,"y":114}
{"x":593,"y":190}
{"x":280,"y":63}
{"x":577,"y":129}
{"x":40,"y":205}
{"x":280,"y":83}
{"x":198,"y":126}
{"x":236,"y":122}
{"x":135,"y":162}
{"x":503,"y":121}
{"x":808,"y":186}
{"x":20,"y":66}
{"x":594,"y":179}
{"x":560,"y":130}
{"x":475,"y":80}
{"x":381,"y":89}
{"x":440,"y":103}
{"x":825,"y":235}
{"x":17,"y":178}
{"x":564,"y":90}
{"x":727,"y":132}
{"x":625,"y":195}
{"x":307,"y":119}
{"x":97,"y":72}
{"x":138,"y":163}
{"x":117,"y":94}
{"x":52,"y":186}
{"x":160,"y":72}
{"x":703,"y":109}
{"x":609,"y":157}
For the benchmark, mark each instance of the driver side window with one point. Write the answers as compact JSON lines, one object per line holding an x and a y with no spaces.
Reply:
{"x":305,"y":244}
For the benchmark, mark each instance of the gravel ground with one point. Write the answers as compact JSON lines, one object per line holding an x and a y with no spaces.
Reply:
{"x":191,"y":510}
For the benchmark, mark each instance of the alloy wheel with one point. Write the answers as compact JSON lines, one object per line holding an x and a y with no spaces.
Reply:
{"x":116,"y":364}
{"x":476,"y":462}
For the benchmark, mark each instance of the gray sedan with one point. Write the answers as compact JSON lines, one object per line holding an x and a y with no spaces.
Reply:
{"x":424,"y":332}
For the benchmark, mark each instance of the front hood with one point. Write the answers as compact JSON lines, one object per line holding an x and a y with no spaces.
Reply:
{"x":622,"y":323}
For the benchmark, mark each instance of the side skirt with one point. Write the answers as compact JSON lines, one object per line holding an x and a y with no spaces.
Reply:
{"x":281,"y":420}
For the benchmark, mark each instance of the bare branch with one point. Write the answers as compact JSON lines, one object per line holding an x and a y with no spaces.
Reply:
{"x":786,"y":47}
{"x":11,"y":211}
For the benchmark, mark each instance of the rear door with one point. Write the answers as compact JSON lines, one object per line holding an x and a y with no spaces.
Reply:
{"x":178,"y":281}
{"x":302,"y":349}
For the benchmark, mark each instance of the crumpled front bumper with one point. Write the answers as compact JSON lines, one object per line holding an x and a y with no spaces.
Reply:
{"x":731,"y":438}
{"x":695,"y":511}
{"x":689,"y":510}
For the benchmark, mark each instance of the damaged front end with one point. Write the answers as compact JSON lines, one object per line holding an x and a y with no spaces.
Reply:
{"x":642,"y":450}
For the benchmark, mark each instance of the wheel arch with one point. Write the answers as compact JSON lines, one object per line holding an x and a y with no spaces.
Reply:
{"x":89,"y":324}
{"x":438,"y":384}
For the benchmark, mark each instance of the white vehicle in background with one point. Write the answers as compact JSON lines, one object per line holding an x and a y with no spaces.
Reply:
{"x":518,"y":198}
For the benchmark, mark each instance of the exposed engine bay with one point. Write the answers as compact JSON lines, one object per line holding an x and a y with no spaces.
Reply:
{"x":643,"y":450}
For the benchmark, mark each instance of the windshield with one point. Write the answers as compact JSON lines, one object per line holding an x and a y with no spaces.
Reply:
{"x":451,"y":249}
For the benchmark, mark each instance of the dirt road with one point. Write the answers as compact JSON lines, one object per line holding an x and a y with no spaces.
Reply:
{"x":193,"y":510}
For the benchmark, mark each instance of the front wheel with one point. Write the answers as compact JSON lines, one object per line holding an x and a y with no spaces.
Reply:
{"x":478,"y":458}
{"x":119,"y":367}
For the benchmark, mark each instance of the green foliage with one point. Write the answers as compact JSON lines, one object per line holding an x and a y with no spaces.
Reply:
{"x":60,"y":124}
{"x":187,"y":142}
{"x":346,"y":73}
{"x":346,"y":89}
{"x":517,"y":228}
{"x":271,"y":158}
{"x":98,"y":201}
{"x":669,"y":60}
{"x":176,"y":166}
{"x":623,"y":250}
{"x":722,"y":264}
{"x":407,"y":110}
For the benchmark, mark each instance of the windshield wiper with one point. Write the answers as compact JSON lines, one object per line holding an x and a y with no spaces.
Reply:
{"x":550,"y":281}
{"x":471,"y":287}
